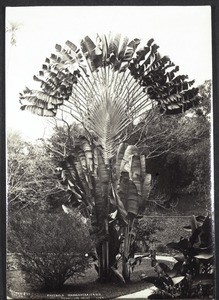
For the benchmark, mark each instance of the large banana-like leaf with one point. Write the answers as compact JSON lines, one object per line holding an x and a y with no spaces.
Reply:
{"x":107,"y":84}
{"x":43,"y":112}
{"x":92,"y":183}
{"x":134,"y":184}
{"x":88,"y":185}
{"x":39,"y":102}
{"x":87,"y":176}
{"x":146,"y":188}
{"x":119,"y":157}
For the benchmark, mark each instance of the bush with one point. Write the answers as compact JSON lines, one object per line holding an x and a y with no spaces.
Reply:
{"x":155,"y":232}
{"x":146,"y":232}
{"x":51,"y":247}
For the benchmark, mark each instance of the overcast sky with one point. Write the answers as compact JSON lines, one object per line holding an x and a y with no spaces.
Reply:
{"x":182,"y":32}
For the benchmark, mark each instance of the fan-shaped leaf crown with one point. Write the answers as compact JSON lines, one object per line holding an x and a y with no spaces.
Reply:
{"x":107,"y":85}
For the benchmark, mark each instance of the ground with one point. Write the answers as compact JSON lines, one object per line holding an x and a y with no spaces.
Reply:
{"x":80,"y":288}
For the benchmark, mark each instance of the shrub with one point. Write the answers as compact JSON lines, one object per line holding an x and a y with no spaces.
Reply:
{"x":155,"y":232}
{"x":146,"y":231}
{"x":51,"y":247}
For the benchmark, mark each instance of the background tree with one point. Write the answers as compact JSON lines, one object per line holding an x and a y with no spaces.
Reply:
{"x":31,"y":174}
{"x":63,"y":138}
{"x":12,"y":28}
{"x":178,"y":156}
{"x":108,"y":86}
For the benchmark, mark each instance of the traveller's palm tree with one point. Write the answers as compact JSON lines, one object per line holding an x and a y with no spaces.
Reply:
{"x":109,"y":86}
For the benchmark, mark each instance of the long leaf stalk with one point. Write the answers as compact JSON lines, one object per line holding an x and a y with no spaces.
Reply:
{"x":121,"y":82}
{"x":126,"y":86}
{"x":128,"y":230}
{"x":87,"y":81}
{"x":135,"y":88}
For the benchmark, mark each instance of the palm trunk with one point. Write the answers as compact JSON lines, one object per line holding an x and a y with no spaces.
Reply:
{"x":104,"y":257}
{"x":107,"y":251}
{"x":125,"y":270}
{"x":101,"y":267}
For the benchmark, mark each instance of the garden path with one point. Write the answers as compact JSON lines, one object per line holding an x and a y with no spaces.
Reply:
{"x":143,"y":294}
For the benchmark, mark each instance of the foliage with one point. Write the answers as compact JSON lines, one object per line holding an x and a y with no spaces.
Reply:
{"x":154,"y":232}
{"x":63,"y":139}
{"x":146,"y":229}
{"x":192,"y":274}
{"x":107,"y":86}
{"x":32,"y":178}
{"x":177,"y":150}
{"x":205,"y":91}
{"x":49,"y":253}
{"x":11,"y":29}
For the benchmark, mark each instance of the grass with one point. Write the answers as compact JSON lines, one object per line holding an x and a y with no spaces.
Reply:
{"x":86,"y":287}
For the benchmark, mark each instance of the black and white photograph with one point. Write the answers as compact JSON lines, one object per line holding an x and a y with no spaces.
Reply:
{"x":109,"y":154}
